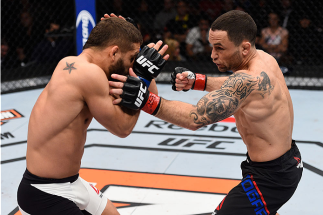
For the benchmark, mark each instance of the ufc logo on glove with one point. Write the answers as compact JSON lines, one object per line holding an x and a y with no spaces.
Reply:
{"x":135,"y":93}
{"x":140,"y":97}
{"x":146,"y":63}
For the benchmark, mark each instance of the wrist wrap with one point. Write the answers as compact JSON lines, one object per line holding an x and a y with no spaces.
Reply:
{"x":200,"y":82}
{"x":152,"y":105}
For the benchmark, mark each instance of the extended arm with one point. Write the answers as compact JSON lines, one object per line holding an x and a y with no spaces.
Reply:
{"x":213,"y":107}
{"x":216,"y":105}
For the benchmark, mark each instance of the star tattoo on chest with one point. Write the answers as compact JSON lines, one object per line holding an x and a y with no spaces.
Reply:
{"x":69,"y":67}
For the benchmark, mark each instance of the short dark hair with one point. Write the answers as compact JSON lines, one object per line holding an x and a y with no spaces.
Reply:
{"x":239,"y":26}
{"x":114,"y":31}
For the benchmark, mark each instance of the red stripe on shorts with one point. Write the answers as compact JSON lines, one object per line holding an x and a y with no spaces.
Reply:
{"x":262,"y":198}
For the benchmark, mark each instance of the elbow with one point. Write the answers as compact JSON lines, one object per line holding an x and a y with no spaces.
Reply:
{"x":194,"y":127}
{"x":124,"y":133}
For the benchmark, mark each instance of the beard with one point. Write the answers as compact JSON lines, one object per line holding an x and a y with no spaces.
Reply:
{"x":119,"y":69}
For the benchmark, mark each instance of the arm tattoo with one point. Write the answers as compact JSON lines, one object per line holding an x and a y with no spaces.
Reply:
{"x":222,"y":103}
{"x":69,"y":67}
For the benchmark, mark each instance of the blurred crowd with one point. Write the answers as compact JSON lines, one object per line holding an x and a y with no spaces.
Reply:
{"x":35,"y":32}
{"x":289,"y":30}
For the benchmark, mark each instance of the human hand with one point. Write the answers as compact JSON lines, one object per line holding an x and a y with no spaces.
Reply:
{"x":116,"y":86}
{"x":135,"y":94}
{"x":107,"y":16}
{"x":128,"y":19}
{"x":161,"y":51}
{"x":184,"y":79}
{"x":149,"y":63}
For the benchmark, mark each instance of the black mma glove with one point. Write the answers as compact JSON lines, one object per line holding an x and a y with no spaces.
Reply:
{"x":148,"y":64}
{"x":136,"y":96}
{"x":199,"y":79}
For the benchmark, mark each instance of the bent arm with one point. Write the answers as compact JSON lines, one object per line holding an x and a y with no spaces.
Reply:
{"x":96,"y":94}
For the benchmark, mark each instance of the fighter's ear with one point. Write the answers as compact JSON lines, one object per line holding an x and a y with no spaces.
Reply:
{"x":114,"y":51}
{"x":245,"y":47}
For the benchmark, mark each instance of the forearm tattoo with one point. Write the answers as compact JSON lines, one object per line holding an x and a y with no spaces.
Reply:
{"x":69,"y":67}
{"x":220,"y":104}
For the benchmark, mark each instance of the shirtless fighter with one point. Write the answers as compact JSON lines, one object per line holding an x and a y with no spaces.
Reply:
{"x":77,"y":92}
{"x":257,"y":96}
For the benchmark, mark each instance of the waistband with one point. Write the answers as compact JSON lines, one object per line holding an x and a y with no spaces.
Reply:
{"x":34,"y":179}
{"x":278,"y":161}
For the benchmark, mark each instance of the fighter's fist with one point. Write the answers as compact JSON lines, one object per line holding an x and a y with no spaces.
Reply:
{"x":187,"y":80}
{"x":184,"y":81}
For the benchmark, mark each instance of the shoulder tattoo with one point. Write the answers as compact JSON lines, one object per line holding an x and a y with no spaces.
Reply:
{"x":220,"y":104}
{"x":69,"y":67}
{"x":264,"y":85}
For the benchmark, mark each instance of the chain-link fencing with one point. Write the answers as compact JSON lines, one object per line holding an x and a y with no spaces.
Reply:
{"x":36,"y":34}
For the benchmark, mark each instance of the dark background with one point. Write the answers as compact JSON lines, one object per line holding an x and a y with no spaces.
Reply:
{"x":28,"y":50}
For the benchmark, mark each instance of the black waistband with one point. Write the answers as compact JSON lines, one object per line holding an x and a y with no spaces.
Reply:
{"x":276,"y":161}
{"x":39,"y":180}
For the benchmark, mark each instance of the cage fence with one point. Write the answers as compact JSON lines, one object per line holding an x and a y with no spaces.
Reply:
{"x":36,"y":34}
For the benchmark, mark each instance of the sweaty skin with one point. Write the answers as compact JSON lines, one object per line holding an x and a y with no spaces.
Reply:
{"x":77,"y":92}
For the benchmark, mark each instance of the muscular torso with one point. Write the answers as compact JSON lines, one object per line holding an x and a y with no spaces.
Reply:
{"x":77,"y":92}
{"x":258,"y":98}
{"x":57,"y":127}
{"x":265,"y":120}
